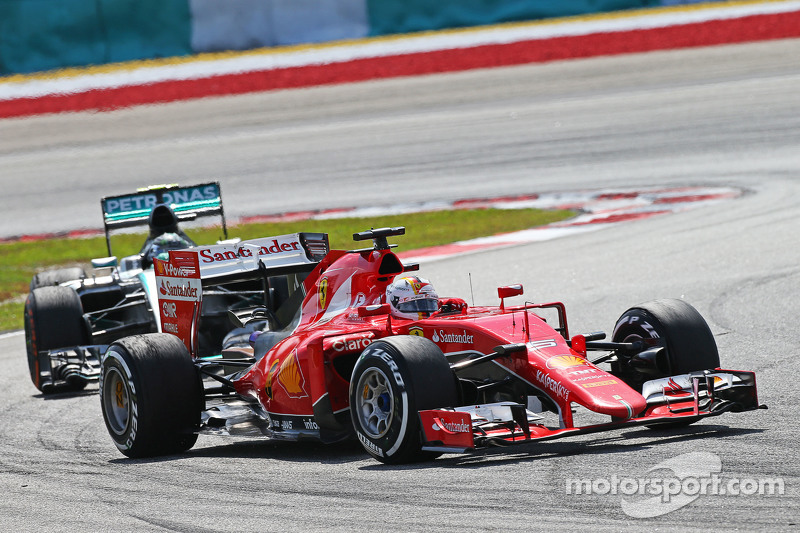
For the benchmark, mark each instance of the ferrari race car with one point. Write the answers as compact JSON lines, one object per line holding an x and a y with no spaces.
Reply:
{"x":328,"y":361}
{"x":70,"y":318}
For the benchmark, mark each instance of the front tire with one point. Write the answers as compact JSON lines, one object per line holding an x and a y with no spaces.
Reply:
{"x":675,"y":324}
{"x":688,"y":340}
{"x":53,"y":319}
{"x":151,"y":395}
{"x":394,"y":379}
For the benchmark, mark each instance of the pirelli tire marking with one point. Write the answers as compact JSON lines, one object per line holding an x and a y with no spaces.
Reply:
{"x":399,"y":387}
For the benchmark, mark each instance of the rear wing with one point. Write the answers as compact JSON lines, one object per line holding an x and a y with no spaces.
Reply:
{"x":181,"y":278}
{"x":188,"y":203}
{"x":295,"y":251}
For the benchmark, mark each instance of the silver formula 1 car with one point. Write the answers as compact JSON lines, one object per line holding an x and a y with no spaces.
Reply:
{"x":71,"y":317}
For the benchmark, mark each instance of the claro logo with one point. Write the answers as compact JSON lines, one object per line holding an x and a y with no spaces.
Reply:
{"x":351,"y":345}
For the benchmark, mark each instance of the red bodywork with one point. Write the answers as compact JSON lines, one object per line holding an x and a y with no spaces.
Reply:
{"x":302,"y":382}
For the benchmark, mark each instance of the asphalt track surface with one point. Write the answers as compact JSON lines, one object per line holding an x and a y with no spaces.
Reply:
{"x":716,"y":116}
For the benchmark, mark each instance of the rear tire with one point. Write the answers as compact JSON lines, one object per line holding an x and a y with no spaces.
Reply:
{"x":151,"y":395}
{"x":394,"y":379}
{"x":53,"y":319}
{"x":49,"y":278}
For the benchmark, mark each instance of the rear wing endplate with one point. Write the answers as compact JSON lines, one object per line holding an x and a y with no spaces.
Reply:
{"x":188,"y":203}
{"x":180,"y":296}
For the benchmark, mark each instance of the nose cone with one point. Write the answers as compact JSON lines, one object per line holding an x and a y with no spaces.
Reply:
{"x":612,"y":397}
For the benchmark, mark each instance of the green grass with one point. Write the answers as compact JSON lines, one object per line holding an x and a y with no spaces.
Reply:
{"x":19,"y":261}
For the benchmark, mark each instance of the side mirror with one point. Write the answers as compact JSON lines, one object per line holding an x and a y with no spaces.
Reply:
{"x":507,"y":292}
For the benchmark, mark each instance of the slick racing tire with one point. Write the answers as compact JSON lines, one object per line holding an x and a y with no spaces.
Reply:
{"x":392,"y":380}
{"x":688,"y":340}
{"x":151,"y":395}
{"x":56,"y":277}
{"x":685,"y":334}
{"x":53,"y":319}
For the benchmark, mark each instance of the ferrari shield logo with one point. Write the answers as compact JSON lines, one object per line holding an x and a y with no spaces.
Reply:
{"x":415,"y":284}
{"x":323,"y":293}
{"x":416,"y":331}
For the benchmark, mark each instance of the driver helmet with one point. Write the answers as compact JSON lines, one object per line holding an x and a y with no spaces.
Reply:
{"x":412,"y":297}
{"x":161,"y":245}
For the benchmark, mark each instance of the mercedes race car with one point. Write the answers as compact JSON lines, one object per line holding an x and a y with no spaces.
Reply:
{"x":330,"y":360}
{"x":70,"y":318}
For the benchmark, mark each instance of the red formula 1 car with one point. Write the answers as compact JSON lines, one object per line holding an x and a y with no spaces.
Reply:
{"x":323,"y":358}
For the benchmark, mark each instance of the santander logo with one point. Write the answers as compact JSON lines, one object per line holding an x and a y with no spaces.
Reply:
{"x":453,"y":427}
{"x":216,"y":255}
{"x":180,"y":291}
{"x":462,"y":338}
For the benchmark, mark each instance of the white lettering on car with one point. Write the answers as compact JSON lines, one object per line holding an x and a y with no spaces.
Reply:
{"x":351,"y":345}
{"x":371,"y":446}
{"x":461,"y":338}
{"x":453,"y":427}
{"x":555,"y":386}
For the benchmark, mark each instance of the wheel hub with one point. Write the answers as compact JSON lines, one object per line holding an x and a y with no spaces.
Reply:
{"x":375,"y":404}
{"x":116,"y":401}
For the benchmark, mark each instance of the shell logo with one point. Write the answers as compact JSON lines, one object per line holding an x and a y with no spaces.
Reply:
{"x":291,"y":377}
{"x":322,"y":293}
{"x":159,"y":267}
{"x":566,"y":361}
{"x":416,"y":331}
